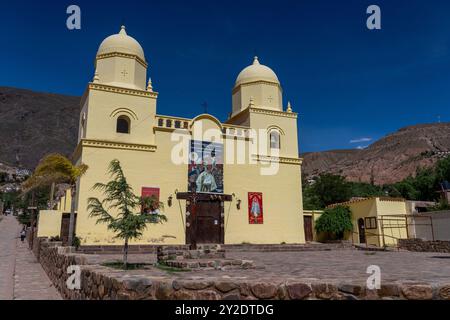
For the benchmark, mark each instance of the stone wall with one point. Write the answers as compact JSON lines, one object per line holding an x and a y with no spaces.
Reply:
{"x":420,"y":245}
{"x":98,"y":282}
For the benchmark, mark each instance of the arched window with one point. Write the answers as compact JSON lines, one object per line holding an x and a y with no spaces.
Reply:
{"x":123,"y":124}
{"x":275,"y":140}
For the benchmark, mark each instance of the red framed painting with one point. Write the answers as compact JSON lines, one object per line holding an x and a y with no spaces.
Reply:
{"x":255,"y":208}
{"x":149,"y":192}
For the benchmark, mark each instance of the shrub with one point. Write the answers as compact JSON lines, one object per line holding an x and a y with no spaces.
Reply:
{"x":335,"y":222}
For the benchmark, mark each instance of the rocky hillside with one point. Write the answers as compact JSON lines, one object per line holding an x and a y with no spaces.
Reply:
{"x":34,"y":124}
{"x":388,"y":160}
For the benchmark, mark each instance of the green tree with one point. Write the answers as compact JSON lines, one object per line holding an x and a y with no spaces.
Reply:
{"x":311,"y":201}
{"x":426,"y":184}
{"x":330,"y":189}
{"x":56,"y":168}
{"x":361,"y":189}
{"x":404,"y":189}
{"x":127,"y":224}
{"x":335,"y":222}
{"x":443,"y":170}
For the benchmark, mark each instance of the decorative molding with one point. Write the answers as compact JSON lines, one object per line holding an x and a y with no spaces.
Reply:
{"x":285,"y":160}
{"x":132,"y":92}
{"x":276,"y":113}
{"x":208,"y":117}
{"x":270,"y":112}
{"x":123,"y":55}
{"x":235,"y":89}
{"x":172,"y":129}
{"x":275,"y":128}
{"x":105,"y":144}
{"x":124,"y":110}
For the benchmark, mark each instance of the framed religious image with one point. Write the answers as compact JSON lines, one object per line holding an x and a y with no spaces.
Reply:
{"x":150,"y":192}
{"x":255,"y":208}
{"x":205,"y":169}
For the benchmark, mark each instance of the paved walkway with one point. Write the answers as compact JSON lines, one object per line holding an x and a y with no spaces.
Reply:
{"x":336,"y":265}
{"x":21,"y":276}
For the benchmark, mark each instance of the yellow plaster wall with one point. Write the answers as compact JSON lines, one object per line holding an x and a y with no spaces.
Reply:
{"x":105,"y":107}
{"x":394,"y":229}
{"x":49,"y":223}
{"x":376,"y":207}
{"x":142,"y":169}
{"x":282,"y":197}
{"x":289,"y":141}
{"x":363,"y":209}
{"x":260,"y":92}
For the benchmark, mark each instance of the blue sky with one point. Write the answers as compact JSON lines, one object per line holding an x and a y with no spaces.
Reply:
{"x":347,"y":83}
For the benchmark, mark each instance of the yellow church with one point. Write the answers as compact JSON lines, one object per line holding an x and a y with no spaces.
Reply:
{"x":241,"y":177}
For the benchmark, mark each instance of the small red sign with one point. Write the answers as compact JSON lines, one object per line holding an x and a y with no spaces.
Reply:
{"x":255,"y":208}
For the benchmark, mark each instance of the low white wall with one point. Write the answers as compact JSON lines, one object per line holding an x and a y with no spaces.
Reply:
{"x":441,"y":226}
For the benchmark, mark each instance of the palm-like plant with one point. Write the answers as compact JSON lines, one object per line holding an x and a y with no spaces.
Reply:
{"x":127,"y":224}
{"x":56,"y":168}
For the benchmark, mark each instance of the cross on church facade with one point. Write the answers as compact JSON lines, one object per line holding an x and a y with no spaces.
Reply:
{"x":124,"y":73}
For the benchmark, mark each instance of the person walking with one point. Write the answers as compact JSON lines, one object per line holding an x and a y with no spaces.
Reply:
{"x":23,"y":234}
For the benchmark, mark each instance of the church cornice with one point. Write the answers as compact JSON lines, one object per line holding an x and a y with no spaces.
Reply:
{"x":107,"y":144}
{"x":292,"y":115}
{"x":122,"y":55}
{"x":120,"y":90}
{"x":270,"y":112}
{"x":285,"y":160}
{"x":237,"y":88}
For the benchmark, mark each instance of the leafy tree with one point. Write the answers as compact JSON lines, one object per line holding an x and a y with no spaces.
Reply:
{"x":311,"y":201}
{"x":127,"y":224}
{"x":56,"y":168}
{"x":330,"y":189}
{"x":440,"y":206}
{"x":426,"y":185}
{"x":335,"y":222}
{"x":361,"y":189}
{"x":403,"y":189}
{"x":443,"y":170}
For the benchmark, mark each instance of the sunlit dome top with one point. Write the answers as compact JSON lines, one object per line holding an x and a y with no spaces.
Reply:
{"x":121,"y":43}
{"x":256,"y":72}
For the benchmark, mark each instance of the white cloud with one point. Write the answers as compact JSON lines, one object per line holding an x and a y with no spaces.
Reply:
{"x":360,"y":140}
{"x":361,"y":147}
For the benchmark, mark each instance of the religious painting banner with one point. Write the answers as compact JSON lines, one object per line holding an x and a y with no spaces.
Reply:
{"x":205,"y":169}
{"x":255,"y":208}
{"x":150,"y":192}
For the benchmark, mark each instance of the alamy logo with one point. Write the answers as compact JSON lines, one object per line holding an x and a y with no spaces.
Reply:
{"x":374,"y":280}
{"x":374,"y":20}
{"x":74,"y":20}
{"x":74,"y":280}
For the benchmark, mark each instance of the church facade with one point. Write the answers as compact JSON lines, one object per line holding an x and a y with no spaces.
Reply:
{"x":237,"y":182}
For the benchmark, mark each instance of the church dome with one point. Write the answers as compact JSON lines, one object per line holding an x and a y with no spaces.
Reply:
{"x":122,"y":43}
{"x":256,"y":72}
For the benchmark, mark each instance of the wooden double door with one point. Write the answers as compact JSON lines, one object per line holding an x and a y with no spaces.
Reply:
{"x":206,"y":222}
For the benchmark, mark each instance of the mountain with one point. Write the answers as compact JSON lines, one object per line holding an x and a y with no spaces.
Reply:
{"x":389,"y":159}
{"x":33,"y":124}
